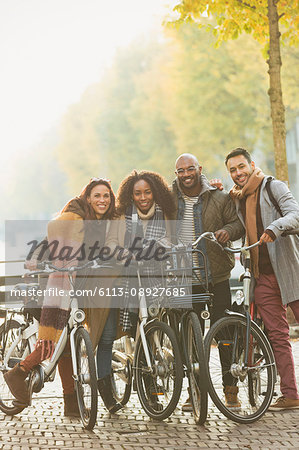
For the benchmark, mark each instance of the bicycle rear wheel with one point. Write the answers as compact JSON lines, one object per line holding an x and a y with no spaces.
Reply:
{"x":86,"y":381}
{"x":197,"y":368}
{"x":9,"y":335}
{"x":158,"y":390}
{"x":225,"y":353}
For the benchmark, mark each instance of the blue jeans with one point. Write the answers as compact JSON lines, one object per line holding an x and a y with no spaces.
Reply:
{"x":104,"y":352}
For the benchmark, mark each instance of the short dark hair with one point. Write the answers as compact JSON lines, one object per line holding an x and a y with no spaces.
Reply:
{"x":236,"y":152}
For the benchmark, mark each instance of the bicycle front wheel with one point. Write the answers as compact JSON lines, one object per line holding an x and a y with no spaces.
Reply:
{"x":159,"y":386}
{"x":121,"y":377}
{"x":197,"y":368}
{"x":10,"y":335}
{"x":253,"y":383}
{"x":86,"y":380}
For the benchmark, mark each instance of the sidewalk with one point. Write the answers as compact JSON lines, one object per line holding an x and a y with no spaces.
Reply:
{"x":43,"y":426}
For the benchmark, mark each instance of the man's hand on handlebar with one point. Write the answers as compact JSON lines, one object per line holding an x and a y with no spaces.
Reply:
{"x":222,"y":236}
{"x":265,"y":238}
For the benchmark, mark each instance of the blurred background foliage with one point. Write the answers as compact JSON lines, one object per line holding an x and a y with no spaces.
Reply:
{"x":160,"y":98}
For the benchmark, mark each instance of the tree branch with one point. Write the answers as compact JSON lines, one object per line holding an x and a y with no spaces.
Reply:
{"x":247,"y":5}
{"x":281,"y":15}
{"x":251,"y":7}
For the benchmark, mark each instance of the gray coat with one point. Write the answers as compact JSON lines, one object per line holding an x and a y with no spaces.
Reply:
{"x":284,"y":251}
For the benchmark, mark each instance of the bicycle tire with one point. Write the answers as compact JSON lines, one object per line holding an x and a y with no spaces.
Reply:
{"x":8,"y":336}
{"x":121,"y":378}
{"x":86,"y":380}
{"x":197,"y":368}
{"x":227,"y":336}
{"x":158,"y":392}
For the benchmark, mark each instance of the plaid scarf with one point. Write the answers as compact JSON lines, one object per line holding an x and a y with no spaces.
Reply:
{"x":155,"y":230}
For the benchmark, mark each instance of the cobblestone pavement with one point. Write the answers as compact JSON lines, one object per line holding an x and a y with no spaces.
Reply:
{"x":44,"y":426}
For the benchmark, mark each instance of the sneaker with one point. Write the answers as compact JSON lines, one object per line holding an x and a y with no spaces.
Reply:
{"x":231,"y":397}
{"x":284,"y":403}
{"x":187,"y":406}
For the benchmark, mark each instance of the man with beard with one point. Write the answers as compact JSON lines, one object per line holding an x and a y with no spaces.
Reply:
{"x":275,"y":266}
{"x":201,"y":207}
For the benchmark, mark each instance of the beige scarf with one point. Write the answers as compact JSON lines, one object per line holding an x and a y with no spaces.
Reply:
{"x":146,"y":216}
{"x":250,"y":192}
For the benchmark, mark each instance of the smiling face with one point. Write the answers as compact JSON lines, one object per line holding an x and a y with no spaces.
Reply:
{"x":240,"y":169}
{"x":99,"y":199}
{"x":143,"y":196}
{"x":188,"y":172}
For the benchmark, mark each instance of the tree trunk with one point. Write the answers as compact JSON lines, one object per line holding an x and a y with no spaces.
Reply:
{"x":275,"y":94}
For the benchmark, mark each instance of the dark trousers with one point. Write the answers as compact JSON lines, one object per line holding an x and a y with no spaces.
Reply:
{"x":104,"y":352}
{"x":221,"y":302}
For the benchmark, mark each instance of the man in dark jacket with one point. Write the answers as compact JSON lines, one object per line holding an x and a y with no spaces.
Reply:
{"x":201,"y":207}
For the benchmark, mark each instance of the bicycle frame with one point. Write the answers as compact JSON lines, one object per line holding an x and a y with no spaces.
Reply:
{"x":76,"y":317}
{"x":29,"y":334}
{"x":143,"y":316}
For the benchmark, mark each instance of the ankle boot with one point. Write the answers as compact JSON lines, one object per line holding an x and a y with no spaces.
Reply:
{"x":105,"y":389}
{"x":71,"y":408}
{"x":15,"y":380}
{"x":231,"y":397}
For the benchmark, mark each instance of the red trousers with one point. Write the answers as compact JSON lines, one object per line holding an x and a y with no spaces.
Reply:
{"x":65,"y":367}
{"x":273,"y":312}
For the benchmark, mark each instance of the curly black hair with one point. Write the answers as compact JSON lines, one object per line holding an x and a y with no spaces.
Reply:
{"x":161,"y":193}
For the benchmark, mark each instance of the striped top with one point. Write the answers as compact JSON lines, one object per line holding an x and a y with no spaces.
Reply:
{"x":187,"y":231}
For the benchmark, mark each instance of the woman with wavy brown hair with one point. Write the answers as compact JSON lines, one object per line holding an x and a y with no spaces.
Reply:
{"x":84,"y":221}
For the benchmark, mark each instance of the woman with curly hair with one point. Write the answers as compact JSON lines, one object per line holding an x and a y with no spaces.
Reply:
{"x":152,"y":185}
{"x":145,"y":205}
{"x":83,"y":221}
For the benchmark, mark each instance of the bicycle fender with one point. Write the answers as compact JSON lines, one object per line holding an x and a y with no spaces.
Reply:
{"x":235,"y":314}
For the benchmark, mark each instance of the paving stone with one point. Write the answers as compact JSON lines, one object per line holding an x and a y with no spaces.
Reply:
{"x":43,"y":426}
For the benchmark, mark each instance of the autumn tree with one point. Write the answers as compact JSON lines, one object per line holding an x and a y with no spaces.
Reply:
{"x":263,"y":19}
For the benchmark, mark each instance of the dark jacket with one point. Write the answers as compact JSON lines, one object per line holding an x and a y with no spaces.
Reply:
{"x":218,"y":212}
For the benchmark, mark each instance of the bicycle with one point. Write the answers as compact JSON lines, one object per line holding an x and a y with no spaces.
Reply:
{"x":236,"y":348}
{"x":154,"y":366}
{"x":16,"y":346}
{"x":185,"y":322}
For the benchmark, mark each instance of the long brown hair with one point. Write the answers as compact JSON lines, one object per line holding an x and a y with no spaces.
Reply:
{"x":81,"y":202}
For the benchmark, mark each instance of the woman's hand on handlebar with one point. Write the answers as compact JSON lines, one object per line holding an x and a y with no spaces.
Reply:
{"x":31,"y":264}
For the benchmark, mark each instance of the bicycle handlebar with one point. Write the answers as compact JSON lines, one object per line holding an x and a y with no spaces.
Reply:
{"x":46,"y":267}
{"x":209,"y":235}
{"x":241,"y":249}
